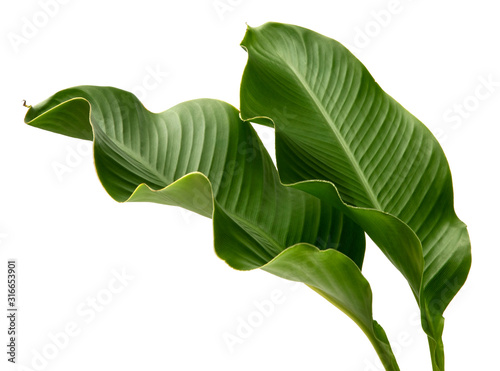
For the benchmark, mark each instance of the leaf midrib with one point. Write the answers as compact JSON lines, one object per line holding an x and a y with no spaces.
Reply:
{"x":338,"y":135}
{"x":137,"y":157}
{"x":254,"y":227}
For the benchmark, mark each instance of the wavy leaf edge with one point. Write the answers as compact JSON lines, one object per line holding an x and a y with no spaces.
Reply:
{"x":371,"y":328}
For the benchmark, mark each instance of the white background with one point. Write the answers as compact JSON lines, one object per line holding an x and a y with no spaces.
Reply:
{"x":69,"y":236}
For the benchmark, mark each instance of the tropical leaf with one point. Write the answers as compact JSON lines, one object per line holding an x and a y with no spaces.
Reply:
{"x":383,"y":168}
{"x":199,"y":155}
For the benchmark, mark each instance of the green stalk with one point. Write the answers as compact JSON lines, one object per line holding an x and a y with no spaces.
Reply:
{"x":375,"y":333}
{"x":437,"y":354}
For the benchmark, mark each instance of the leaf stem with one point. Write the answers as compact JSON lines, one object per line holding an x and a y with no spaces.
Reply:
{"x":437,"y":354}
{"x":374,"y":333}
{"x":383,"y":350}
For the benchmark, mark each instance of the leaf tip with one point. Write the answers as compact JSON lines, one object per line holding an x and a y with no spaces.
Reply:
{"x":246,"y":39}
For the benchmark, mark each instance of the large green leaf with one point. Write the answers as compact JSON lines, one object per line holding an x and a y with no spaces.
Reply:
{"x":199,"y":155}
{"x":382,"y":166}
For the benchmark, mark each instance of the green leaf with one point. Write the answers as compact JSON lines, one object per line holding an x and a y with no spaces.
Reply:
{"x":383,"y":168}
{"x":199,"y":155}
